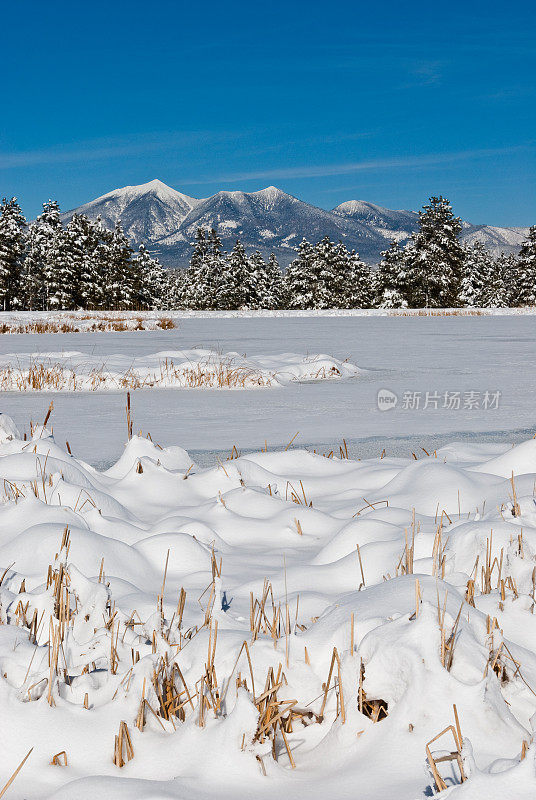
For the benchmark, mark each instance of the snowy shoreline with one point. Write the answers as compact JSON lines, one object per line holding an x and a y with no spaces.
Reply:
{"x":16,"y":322}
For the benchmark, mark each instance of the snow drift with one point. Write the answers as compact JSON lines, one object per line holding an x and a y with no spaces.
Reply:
{"x":192,"y":369}
{"x":281,"y":623}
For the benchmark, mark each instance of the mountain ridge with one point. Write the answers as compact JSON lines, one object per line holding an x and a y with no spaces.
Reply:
{"x":270,"y":220}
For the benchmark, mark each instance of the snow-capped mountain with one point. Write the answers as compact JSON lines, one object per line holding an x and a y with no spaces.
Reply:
{"x":268,"y":220}
{"x":148,"y":212}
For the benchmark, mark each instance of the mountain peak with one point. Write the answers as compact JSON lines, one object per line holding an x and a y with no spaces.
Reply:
{"x":270,"y":191}
{"x":271,"y":195}
{"x":356,"y":206}
{"x":156,"y":185}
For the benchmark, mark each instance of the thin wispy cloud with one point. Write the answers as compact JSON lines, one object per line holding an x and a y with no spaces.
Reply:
{"x":112,"y":148}
{"x":348,"y":168}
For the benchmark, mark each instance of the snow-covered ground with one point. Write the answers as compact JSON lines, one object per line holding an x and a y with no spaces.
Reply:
{"x":379,"y":601}
{"x":419,"y":568}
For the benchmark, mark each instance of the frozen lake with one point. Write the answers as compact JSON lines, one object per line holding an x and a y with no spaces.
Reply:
{"x":402,"y":354}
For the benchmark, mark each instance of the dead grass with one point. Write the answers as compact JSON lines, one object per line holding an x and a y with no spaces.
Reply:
{"x":43,"y":376}
{"x":87,"y":323}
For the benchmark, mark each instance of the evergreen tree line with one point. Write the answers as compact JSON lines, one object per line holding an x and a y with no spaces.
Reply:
{"x":45,"y":265}
{"x":48,"y":266}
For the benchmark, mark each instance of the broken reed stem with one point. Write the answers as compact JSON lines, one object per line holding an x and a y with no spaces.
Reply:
{"x":455,"y":755}
{"x":123,"y":742}
{"x":361,"y":567}
{"x":334,"y":659}
{"x":129,"y":417}
{"x":516,"y":510}
{"x":14,"y":775}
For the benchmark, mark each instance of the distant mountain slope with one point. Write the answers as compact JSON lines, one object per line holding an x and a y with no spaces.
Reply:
{"x":269,"y":220}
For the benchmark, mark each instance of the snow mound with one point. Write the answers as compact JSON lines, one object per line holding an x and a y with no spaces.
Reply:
{"x":190,"y":369}
{"x":281,"y":623}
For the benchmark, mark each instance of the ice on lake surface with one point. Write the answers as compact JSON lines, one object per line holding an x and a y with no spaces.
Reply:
{"x":402,"y":354}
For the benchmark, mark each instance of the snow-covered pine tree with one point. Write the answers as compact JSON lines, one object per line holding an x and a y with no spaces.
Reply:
{"x":353,"y":281}
{"x":88,"y":279}
{"x":300,"y":278}
{"x":329,"y":269}
{"x":203,"y":275}
{"x":435,"y":260}
{"x":121,"y":288}
{"x":173,"y":293}
{"x":236,"y":289}
{"x":196,"y":273}
{"x":12,"y":246}
{"x":258,"y":287}
{"x":477,"y":269}
{"x":272,"y":294}
{"x":527,"y":270}
{"x":391,"y":291}
{"x":149,"y":280}
{"x":98,"y":289}
{"x":61,"y":269}
{"x":40,"y":238}
{"x":495,"y":294}
{"x":264,"y":283}
{"x":508,"y":268}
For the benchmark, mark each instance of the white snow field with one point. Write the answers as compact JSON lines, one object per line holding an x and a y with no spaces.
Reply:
{"x":382,"y":598}
{"x":280,"y":624}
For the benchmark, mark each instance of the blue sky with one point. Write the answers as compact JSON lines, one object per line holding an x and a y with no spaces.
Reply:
{"x":389,"y":102}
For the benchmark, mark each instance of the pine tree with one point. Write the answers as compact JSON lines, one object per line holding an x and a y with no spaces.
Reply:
{"x":262,"y":283}
{"x":508,"y":268}
{"x":271,"y":290}
{"x":435,"y":258}
{"x":496,"y":294}
{"x":173,"y":290}
{"x":60,"y":270}
{"x":40,"y":239}
{"x":202,"y":278}
{"x":149,"y":281}
{"x":121,"y":288}
{"x":353,"y":280}
{"x":300,"y":279}
{"x":257,"y":279}
{"x":476,"y":276}
{"x":98,"y":288}
{"x":527,"y":270}
{"x":196,"y":274}
{"x":328,"y":271}
{"x":12,"y":244}
{"x":391,"y":281}
{"x":84,"y":239}
{"x":236,"y":289}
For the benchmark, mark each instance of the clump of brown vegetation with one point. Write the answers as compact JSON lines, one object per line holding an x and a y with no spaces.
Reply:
{"x":92,"y":323}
